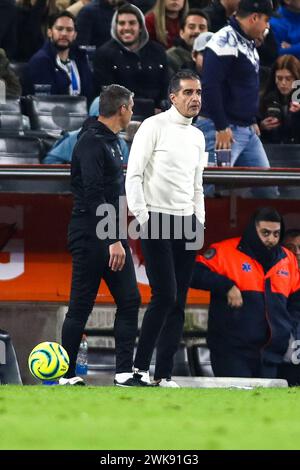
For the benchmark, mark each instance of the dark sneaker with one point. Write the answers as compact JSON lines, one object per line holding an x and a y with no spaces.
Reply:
{"x":71,"y":381}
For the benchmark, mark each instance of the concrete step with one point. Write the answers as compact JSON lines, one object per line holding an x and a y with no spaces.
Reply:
{"x":105,"y":378}
{"x":228,"y":382}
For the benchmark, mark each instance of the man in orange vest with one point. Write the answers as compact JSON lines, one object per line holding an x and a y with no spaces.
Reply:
{"x":255,"y":298}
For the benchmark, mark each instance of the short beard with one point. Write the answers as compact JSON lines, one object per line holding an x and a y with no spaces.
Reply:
{"x":60,"y":48}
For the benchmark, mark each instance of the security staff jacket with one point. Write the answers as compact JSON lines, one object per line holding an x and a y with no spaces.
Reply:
{"x":271,"y":300}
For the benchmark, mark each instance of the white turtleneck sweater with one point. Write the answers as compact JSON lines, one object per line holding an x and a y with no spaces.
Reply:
{"x":164,"y":172}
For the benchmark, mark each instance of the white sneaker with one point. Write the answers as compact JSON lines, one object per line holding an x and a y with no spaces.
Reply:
{"x":167,"y":383}
{"x":71,"y":381}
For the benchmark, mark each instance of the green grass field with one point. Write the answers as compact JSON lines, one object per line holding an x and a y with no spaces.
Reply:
{"x":40,"y":417}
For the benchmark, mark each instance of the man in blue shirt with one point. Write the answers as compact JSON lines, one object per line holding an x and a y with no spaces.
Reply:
{"x":231,"y":85}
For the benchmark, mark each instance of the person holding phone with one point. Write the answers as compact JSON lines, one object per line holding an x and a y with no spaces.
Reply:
{"x":280,"y":107}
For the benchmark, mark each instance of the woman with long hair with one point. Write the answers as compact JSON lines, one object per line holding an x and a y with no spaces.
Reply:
{"x":163,"y":22}
{"x":280,"y":104}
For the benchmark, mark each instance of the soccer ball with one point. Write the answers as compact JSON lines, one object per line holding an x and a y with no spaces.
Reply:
{"x":48,"y":361}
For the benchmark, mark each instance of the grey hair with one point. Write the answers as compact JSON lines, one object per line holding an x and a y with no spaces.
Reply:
{"x":111,"y":98}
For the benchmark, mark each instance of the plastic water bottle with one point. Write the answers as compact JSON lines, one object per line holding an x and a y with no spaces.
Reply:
{"x":82,"y":357}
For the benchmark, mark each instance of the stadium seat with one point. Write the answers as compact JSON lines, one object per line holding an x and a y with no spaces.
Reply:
{"x":283,"y":155}
{"x":9,"y":368}
{"x":20,"y":150}
{"x":18,"y":68}
{"x":12,"y":105}
{"x":56,"y":112}
{"x":10,"y":115}
{"x":11,"y":121}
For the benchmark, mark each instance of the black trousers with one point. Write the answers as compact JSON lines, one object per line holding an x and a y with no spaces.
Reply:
{"x":169,"y":267}
{"x":228,"y":364}
{"x":90,"y":258}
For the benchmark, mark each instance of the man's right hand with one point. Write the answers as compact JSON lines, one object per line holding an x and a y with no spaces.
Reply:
{"x":117,"y":256}
{"x":234,"y":297}
{"x":224,"y":139}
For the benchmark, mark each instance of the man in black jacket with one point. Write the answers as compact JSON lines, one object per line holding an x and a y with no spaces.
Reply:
{"x":97,"y":184}
{"x":130,"y":59}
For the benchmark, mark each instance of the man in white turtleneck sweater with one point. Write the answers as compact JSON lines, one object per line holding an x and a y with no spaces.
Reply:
{"x":164,"y":186}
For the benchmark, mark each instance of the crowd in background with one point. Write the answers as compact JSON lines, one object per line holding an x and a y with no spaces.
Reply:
{"x":169,"y":29}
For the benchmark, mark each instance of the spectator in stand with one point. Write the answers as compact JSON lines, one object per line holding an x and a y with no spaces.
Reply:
{"x":12,"y":84}
{"x":130,"y":59}
{"x":219,"y":12}
{"x":280,"y":113}
{"x":32,"y":24}
{"x":231,"y":86}
{"x":193,"y":24}
{"x":287,"y":28}
{"x":199,"y":47}
{"x":60,"y":63}
{"x":75,"y":7}
{"x":30,"y":38}
{"x":94,"y":20}
{"x":8,"y":18}
{"x":163,"y":22}
{"x":255,"y":298}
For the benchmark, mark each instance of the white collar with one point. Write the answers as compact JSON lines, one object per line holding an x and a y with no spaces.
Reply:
{"x":178,"y":118}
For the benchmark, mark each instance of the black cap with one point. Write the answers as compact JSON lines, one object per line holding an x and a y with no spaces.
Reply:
{"x":257,"y":6}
